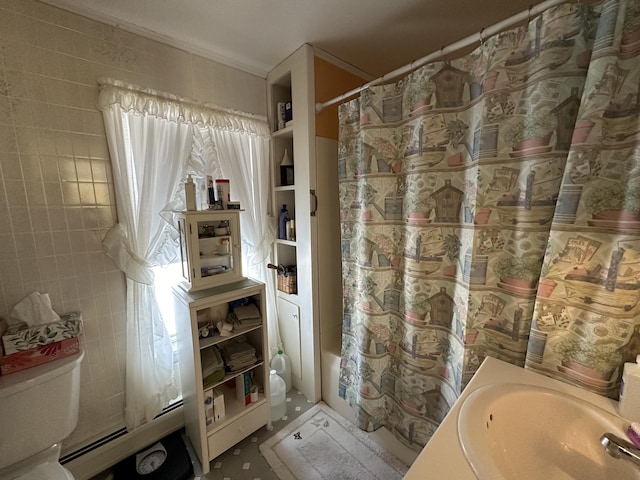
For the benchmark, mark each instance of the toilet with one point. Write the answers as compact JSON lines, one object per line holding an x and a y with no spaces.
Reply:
{"x":38,"y":409}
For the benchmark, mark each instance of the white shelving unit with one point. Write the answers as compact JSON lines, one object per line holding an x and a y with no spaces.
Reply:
{"x":192,"y":310}
{"x":311,"y":140}
{"x":292,"y":81}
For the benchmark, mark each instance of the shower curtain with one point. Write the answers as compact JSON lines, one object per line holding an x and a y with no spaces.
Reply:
{"x":490,"y":206}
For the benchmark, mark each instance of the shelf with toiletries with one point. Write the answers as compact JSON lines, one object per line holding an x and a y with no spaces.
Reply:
{"x":305,"y":77}
{"x":292,"y":181}
{"x":223,"y":350}
{"x":286,"y":254}
{"x":209,"y":247}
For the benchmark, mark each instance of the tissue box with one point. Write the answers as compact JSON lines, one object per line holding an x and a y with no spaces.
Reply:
{"x":69,"y":326}
{"x":218,"y":405}
{"x":39,"y":355}
{"x":208,"y":408}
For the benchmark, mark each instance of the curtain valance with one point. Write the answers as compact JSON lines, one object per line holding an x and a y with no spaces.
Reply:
{"x":146,"y":101}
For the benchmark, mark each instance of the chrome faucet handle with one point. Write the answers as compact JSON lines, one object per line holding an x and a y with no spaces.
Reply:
{"x":620,"y":448}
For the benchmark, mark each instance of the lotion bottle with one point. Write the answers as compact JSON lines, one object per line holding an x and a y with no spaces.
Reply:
{"x":630,"y":391}
{"x":282,"y":223}
{"x":190,"y":193}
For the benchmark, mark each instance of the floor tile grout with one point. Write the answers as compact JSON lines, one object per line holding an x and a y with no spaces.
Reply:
{"x":244,"y":461}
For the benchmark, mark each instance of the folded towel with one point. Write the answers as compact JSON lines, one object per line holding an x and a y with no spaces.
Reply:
{"x":211,"y":362}
{"x":215,"y":377}
{"x":244,"y":323}
{"x":240,"y":364}
{"x":249,"y":322}
{"x":232,"y":350}
{"x":246,"y":311}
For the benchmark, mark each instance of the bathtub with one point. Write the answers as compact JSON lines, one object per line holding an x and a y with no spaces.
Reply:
{"x":330,"y":374}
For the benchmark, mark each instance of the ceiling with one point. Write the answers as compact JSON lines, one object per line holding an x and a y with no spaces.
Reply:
{"x":375,"y":36}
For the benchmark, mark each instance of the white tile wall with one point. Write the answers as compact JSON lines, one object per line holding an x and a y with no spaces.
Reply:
{"x":56,"y":190}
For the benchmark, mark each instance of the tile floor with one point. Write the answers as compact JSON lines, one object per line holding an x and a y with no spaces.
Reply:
{"x":244,"y":461}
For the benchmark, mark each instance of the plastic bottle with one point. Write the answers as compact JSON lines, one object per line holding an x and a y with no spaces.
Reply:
{"x":211,"y":191}
{"x":282,"y":223}
{"x":282,"y":365}
{"x":277,"y":393}
{"x":630,"y":391}
{"x":190,"y":193}
{"x":223,"y":191}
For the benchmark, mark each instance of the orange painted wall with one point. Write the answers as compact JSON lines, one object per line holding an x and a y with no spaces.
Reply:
{"x":331,"y":81}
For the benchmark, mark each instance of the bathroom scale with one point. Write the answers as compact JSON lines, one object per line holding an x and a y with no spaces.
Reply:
{"x":164,"y":460}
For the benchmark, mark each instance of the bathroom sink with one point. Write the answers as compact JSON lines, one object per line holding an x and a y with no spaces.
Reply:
{"x":510,"y":431}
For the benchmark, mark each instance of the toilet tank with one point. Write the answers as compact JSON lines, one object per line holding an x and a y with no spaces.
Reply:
{"x":38,"y":408}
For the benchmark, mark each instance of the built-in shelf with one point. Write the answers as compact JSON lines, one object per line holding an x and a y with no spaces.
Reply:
{"x":291,"y":243}
{"x":291,"y":297}
{"x":285,"y":188}
{"x":286,"y":132}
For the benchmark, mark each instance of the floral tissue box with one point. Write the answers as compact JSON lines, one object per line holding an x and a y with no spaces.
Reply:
{"x":69,"y":326}
{"x":39,"y":355}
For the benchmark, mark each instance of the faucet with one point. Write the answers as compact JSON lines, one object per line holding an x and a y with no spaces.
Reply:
{"x":620,"y":448}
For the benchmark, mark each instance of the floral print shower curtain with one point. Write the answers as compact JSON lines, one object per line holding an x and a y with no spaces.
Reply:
{"x":490,"y":206}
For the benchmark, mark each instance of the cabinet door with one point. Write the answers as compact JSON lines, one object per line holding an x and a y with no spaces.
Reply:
{"x":289,"y":326}
{"x":215,"y":243}
{"x":212,"y":241}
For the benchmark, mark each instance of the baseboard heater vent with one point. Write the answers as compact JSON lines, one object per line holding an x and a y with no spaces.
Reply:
{"x":93,"y":445}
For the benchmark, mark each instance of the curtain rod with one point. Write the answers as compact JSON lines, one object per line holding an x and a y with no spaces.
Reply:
{"x":460,"y":44}
{"x":111,"y":82}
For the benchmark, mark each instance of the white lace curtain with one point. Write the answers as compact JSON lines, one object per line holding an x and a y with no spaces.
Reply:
{"x":155,"y":139}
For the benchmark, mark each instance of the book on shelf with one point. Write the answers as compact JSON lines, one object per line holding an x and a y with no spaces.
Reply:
{"x":218,"y":405}
{"x":280,"y":116}
{"x":208,"y":407}
{"x":243,"y":388}
{"x":288,"y":112}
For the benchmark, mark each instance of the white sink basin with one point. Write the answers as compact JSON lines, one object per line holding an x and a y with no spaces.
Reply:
{"x":512,"y":431}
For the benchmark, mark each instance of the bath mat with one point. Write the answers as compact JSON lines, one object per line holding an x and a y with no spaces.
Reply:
{"x":322,"y":445}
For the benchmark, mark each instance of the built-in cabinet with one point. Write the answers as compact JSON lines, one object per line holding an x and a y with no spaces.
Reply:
{"x":209,"y":432}
{"x":292,"y":81}
{"x":312,"y":201}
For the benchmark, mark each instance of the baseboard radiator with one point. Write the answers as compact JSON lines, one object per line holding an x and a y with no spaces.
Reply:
{"x":102,"y":454}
